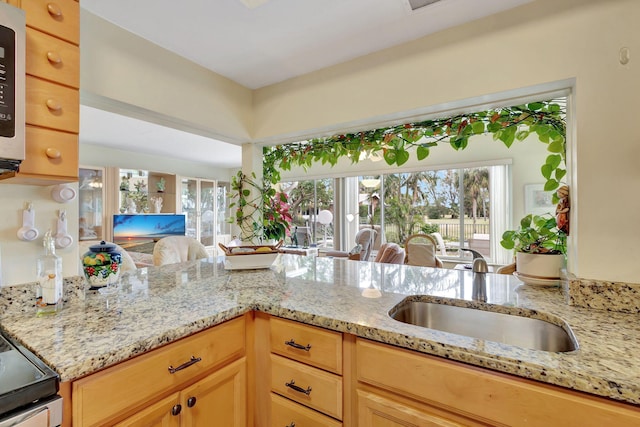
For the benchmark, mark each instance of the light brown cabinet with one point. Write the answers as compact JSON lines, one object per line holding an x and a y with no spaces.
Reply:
{"x":203,"y":373}
{"x":221,"y":397}
{"x":426,"y":390}
{"x":305,"y":385}
{"x":51,"y":89}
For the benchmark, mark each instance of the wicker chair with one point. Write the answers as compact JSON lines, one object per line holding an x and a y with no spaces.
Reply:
{"x":390,"y":253}
{"x":421,"y":251}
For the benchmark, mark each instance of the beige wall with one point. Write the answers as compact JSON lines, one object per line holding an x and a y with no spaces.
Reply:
{"x":119,"y":66}
{"x":544,"y":41}
{"x":18,"y":258}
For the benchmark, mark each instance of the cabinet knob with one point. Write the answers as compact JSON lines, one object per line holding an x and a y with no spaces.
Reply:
{"x":53,"y":105}
{"x":54,"y":10}
{"x":54,"y":57}
{"x":191,"y":402}
{"x":175,"y":411}
{"x":53,"y":153}
{"x":293,"y":424}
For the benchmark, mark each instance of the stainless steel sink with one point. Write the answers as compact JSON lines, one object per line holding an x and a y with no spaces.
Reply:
{"x":487,"y":325}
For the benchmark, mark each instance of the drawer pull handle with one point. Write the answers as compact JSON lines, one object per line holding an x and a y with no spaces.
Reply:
{"x":175,"y":411}
{"x":53,"y":105}
{"x":294,"y":344}
{"x":185,"y":365}
{"x":54,"y":57}
{"x":191,"y":402}
{"x":293,"y":424}
{"x":53,"y":153}
{"x":292,"y":385}
{"x":54,"y":10}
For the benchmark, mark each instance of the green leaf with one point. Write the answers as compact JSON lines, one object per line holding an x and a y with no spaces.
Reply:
{"x":521,"y":135}
{"x":508,"y":135}
{"x":422,"y":152}
{"x":560,"y":173}
{"x":556,"y":146}
{"x":390,"y":157}
{"x":535,"y":106}
{"x":402,"y":156}
{"x":553,"y":160}
{"x":551,"y":185}
{"x":246,"y":193}
{"x":477,"y":127}
{"x":546,"y":170}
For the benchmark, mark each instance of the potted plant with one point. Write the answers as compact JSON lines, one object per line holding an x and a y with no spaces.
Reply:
{"x":540,"y":246}
{"x":261,"y":213}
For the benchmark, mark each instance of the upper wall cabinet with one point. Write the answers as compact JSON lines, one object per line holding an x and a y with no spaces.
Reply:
{"x":52,"y":96}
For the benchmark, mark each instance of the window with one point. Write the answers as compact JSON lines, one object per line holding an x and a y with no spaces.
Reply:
{"x":311,"y":207}
{"x":455,"y":203}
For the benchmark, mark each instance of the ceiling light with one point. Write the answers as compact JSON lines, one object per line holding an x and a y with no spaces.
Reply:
{"x":417,"y":4}
{"x":252,"y":4}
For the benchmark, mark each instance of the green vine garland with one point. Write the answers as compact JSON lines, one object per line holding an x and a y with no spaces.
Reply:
{"x":395,"y":144}
{"x":546,"y":119}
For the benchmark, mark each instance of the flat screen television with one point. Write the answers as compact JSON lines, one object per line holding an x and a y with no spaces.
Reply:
{"x":139,"y":232}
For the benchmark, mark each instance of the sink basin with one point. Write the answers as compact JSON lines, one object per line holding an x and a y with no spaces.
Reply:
{"x":509,"y":329}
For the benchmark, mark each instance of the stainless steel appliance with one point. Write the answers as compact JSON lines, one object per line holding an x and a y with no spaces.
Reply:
{"x":28,"y":388}
{"x":12,"y":89}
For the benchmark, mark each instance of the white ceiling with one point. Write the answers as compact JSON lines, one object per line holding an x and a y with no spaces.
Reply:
{"x":261,"y":42}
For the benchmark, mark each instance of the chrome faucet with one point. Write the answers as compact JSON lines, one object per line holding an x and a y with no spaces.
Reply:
{"x":479,"y":263}
{"x":480,"y":267}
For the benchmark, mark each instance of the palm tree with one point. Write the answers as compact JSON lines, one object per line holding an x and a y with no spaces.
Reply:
{"x":476,"y":181}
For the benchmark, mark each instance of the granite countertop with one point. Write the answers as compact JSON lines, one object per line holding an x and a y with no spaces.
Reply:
{"x":159,"y":304}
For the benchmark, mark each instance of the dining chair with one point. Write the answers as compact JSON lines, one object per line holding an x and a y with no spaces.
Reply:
{"x":390,"y":253}
{"x":421,"y":251}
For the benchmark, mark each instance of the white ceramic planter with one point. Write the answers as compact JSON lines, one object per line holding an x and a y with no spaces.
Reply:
{"x":542,"y":266}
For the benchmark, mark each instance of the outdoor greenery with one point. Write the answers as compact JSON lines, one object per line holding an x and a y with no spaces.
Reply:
{"x":536,"y":235}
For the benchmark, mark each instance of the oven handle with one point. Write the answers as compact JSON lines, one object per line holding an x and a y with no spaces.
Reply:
{"x":38,"y":417}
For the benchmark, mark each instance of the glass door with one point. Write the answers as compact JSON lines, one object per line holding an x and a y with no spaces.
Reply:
{"x":91,"y":203}
{"x":198,"y":201}
{"x":207,"y":209}
{"x":189,"y":197}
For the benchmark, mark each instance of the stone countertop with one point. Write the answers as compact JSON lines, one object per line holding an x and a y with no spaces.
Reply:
{"x":157,"y":305}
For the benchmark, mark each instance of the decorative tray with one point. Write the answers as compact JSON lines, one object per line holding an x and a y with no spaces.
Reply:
{"x":250,"y":257}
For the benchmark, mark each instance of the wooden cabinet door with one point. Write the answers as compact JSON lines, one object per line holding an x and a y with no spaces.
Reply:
{"x":377,"y":411}
{"x":160,"y":414}
{"x":217,"y":400}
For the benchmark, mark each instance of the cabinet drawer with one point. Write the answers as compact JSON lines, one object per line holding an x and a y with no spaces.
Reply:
{"x":320,"y":347}
{"x":52,"y":105}
{"x":101,"y":396}
{"x":52,"y":59}
{"x":50,"y":153}
{"x":287,"y":413}
{"x":60,"y":18}
{"x":309,"y":386}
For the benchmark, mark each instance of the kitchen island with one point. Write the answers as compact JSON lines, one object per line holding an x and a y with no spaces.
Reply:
{"x":156,"y":306}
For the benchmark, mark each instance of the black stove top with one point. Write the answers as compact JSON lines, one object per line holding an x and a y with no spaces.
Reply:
{"x":23,"y":377}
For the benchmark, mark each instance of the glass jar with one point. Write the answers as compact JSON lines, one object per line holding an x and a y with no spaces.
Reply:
{"x":49,"y":272}
{"x":101,"y":265}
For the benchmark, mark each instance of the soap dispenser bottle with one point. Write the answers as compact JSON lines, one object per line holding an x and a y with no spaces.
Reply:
{"x":49,"y":271}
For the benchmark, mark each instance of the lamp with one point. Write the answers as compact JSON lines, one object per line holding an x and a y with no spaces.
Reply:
{"x":371,"y":183}
{"x":325,"y":217}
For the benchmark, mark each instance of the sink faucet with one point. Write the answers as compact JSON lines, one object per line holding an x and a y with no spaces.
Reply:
{"x":480,"y":267}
